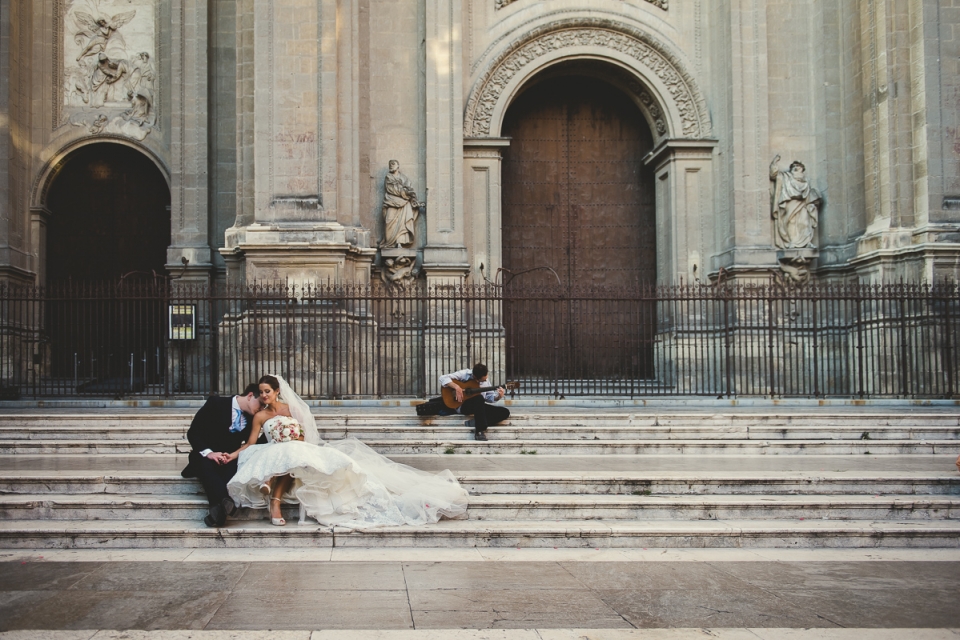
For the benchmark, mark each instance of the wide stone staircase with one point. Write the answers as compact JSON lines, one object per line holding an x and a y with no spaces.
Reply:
{"x":586,"y":474}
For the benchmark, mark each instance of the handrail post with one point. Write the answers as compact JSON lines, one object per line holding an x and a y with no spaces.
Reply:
{"x":771,"y":365}
{"x":816,"y":349}
{"x":859,"y":301}
{"x":948,"y":344}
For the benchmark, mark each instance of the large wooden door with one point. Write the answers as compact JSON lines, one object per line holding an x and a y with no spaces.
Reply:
{"x":578,"y":199}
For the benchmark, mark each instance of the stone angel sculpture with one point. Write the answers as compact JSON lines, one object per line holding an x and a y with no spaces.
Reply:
{"x":99,"y":31}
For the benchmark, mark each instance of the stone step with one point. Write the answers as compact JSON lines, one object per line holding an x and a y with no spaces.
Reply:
{"x":902,"y":417}
{"x":591,"y":534}
{"x":498,"y":445}
{"x":639,"y":483}
{"x":558,"y":508}
{"x":458,"y":430}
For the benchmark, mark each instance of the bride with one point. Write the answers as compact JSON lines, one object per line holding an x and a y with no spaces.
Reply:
{"x":344,"y":483}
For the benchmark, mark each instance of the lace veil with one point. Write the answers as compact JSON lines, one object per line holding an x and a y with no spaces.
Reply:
{"x":299,"y":410}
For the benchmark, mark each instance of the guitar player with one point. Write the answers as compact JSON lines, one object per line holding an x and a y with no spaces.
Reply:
{"x":479,"y":406}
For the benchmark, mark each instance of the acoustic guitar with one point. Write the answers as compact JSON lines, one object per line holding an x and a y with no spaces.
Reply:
{"x":470,"y":388}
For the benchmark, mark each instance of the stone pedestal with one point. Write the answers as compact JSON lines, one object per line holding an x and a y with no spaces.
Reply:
{"x":796,"y":265}
{"x":303,"y":253}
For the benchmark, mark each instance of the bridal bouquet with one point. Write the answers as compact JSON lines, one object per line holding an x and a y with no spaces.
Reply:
{"x":284,"y":429}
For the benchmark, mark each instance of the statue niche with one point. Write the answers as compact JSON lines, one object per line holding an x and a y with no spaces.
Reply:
{"x":795,"y":208}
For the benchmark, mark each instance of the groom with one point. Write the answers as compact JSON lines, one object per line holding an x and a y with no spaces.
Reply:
{"x":220,"y":427}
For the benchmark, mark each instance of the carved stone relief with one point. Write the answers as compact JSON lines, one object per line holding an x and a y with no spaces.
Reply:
{"x":109,"y":73}
{"x":690,"y":105}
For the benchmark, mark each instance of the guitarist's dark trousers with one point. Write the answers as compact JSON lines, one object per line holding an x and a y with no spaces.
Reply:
{"x":484,"y":414}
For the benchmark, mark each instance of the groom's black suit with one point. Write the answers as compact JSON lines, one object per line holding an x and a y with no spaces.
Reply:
{"x":210,"y":429}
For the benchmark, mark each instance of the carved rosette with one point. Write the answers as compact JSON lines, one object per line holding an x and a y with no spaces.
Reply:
{"x":650,"y":54}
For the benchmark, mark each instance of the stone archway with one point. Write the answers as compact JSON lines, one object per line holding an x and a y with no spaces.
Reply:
{"x":107,"y":227}
{"x":677,"y":101}
{"x":108,"y":214}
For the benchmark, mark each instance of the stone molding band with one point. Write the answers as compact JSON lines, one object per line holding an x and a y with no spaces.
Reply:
{"x":662,"y":4}
{"x":649,"y":53}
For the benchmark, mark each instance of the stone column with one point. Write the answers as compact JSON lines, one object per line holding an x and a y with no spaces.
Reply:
{"x":908,"y":52}
{"x":684,"y":186}
{"x":482,"y":163}
{"x":189,"y":252}
{"x":17,"y":96}
{"x":445,"y":254}
{"x":751,"y":252}
{"x":288,"y":83}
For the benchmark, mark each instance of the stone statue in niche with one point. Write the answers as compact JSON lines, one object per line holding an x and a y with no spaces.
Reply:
{"x":400,"y":209}
{"x":795,"y":207}
{"x":107,"y":76}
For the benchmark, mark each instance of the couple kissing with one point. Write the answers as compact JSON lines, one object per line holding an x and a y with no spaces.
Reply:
{"x":261,"y":449}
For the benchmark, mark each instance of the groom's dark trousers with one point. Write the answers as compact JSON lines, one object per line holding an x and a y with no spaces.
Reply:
{"x":210,"y":429}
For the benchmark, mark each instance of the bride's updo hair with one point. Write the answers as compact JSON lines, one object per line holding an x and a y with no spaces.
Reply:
{"x":270,"y":380}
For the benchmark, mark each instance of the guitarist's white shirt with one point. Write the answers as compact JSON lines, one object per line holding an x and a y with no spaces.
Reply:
{"x":467,"y":374}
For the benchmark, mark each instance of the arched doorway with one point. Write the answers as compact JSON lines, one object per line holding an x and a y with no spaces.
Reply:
{"x":107,"y":239}
{"x":577,"y":198}
{"x":110,"y":215}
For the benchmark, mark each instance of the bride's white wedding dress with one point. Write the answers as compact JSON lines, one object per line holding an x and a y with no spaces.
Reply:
{"x":344,"y":483}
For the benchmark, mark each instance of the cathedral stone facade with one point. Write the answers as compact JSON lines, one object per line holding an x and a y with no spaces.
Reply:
{"x":610,"y":141}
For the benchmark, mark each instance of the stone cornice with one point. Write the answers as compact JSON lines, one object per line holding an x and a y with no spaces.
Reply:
{"x":662,"y":4}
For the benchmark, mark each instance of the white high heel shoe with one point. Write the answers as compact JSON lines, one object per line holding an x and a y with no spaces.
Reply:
{"x":279,"y":522}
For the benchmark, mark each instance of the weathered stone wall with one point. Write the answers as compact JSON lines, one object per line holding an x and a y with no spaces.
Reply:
{"x":253,"y":109}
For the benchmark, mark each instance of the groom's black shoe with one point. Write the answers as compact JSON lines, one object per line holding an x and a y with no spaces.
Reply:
{"x":480,"y":436}
{"x":218,"y":514}
{"x":229,"y":506}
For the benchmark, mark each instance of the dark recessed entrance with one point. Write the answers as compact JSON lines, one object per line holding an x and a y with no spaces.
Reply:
{"x":578,"y":199}
{"x":107,"y":240}
{"x":110,"y":216}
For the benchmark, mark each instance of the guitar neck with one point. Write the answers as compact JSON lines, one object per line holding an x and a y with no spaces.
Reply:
{"x":474,"y":390}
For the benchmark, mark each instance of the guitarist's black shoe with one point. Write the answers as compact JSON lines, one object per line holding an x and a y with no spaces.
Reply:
{"x":480,"y":436}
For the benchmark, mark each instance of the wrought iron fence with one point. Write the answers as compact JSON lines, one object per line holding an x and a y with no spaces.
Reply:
{"x":162,"y":339}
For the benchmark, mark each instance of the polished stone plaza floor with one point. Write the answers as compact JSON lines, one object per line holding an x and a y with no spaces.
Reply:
{"x":505,"y":589}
